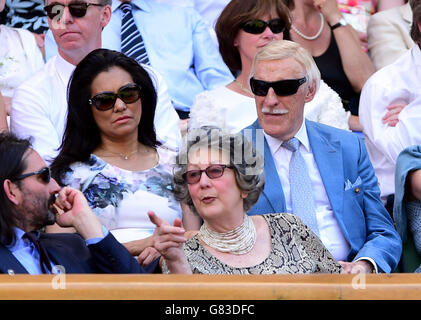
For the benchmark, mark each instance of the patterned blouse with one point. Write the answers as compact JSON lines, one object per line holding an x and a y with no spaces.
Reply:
{"x":295,"y":249}
{"x":122,"y":198}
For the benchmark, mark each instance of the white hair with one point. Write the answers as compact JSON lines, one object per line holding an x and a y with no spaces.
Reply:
{"x":284,"y":49}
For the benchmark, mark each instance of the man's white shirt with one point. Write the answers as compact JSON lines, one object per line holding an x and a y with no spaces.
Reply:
{"x":399,"y":81}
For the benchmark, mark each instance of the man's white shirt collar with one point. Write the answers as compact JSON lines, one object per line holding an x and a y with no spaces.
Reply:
{"x":64,"y":69}
{"x":301,"y":135}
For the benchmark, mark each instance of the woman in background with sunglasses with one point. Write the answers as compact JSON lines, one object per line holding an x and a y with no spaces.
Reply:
{"x":244,"y":27}
{"x":110,"y":150}
{"x":220,"y":177}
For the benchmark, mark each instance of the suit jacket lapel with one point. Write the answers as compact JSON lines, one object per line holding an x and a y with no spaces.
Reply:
{"x":273,"y":188}
{"x":329,"y":161}
{"x":8,"y":262}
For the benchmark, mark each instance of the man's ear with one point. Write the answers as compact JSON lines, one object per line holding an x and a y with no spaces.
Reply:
{"x":311,"y":92}
{"x":106,"y":16}
{"x":12,"y":191}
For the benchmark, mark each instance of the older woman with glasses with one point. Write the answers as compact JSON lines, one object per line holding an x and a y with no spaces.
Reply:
{"x":243,"y":28}
{"x":219,"y":176}
{"x":110,"y":150}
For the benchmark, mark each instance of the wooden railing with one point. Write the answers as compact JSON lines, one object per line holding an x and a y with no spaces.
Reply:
{"x":207,"y":287}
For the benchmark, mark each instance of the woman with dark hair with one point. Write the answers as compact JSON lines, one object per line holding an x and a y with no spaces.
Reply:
{"x":110,"y":151}
{"x":243,"y":28}
{"x":220,"y":177}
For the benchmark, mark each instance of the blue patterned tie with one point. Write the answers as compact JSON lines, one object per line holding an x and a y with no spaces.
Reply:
{"x":300,"y":184}
{"x":131,"y":40}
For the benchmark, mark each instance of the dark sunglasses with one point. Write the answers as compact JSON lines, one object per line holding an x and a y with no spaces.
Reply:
{"x":281,"y":87}
{"x":128,"y":93}
{"x":44,"y":173}
{"x":214,"y":171}
{"x":258,"y":26}
{"x":77,"y":10}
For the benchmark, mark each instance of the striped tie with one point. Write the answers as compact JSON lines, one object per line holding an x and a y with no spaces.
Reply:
{"x":131,"y":40}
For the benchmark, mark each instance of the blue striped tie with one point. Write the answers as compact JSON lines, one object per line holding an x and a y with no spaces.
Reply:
{"x":300,"y":184}
{"x":131,"y":40}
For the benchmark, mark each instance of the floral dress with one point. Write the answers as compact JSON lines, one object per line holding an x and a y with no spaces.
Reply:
{"x":122,"y":198}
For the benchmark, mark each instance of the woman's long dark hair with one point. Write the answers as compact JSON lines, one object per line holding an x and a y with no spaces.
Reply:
{"x":82,"y":134}
{"x":12,"y":150}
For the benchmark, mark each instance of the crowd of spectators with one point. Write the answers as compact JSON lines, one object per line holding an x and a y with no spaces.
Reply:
{"x":213,"y":137}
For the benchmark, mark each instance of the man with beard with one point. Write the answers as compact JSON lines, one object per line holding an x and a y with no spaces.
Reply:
{"x":29,"y":200}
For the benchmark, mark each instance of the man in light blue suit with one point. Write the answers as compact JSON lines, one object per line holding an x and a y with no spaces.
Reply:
{"x":350,"y":217}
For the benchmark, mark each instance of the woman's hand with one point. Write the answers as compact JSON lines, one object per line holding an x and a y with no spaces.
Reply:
{"x":329,"y":9}
{"x":147,"y":256}
{"x":168,"y":241}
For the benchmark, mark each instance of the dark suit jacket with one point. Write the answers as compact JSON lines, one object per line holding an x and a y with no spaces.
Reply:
{"x":351,"y":187}
{"x":70,"y":251}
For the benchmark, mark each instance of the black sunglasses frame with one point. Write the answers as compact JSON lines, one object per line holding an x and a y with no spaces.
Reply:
{"x":275,"y":25}
{"x":207,"y":170}
{"x":282,"y":88}
{"x":97,"y":103}
{"x":44,"y":173}
{"x":76,"y":9}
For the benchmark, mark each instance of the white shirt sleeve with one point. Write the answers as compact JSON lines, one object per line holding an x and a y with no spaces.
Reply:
{"x":374,"y":101}
{"x":167,"y":121}
{"x":30,"y":118}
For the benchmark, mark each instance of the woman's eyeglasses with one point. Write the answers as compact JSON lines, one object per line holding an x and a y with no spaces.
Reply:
{"x":44,"y":174}
{"x":77,"y":10}
{"x":214,"y":171}
{"x":281,"y":87}
{"x":103,"y":101}
{"x":258,"y":26}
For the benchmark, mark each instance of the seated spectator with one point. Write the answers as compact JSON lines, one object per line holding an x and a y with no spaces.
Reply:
{"x":242,"y":31}
{"x":220,"y":178}
{"x":110,"y":151}
{"x":407,"y":206}
{"x":39,"y":105}
{"x":20,"y":58}
{"x":388,"y":91}
{"x":321,"y":29}
{"x":3,"y":115}
{"x":174,"y":40}
{"x":317,"y":172}
{"x":29,"y":200}
{"x":388,"y":35}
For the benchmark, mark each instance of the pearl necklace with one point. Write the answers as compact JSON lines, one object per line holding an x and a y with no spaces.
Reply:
{"x":238,"y":241}
{"x":322,"y":24}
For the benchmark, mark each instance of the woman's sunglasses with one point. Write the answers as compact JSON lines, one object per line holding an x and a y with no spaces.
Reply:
{"x":77,"y":10}
{"x":44,"y":174}
{"x":282,"y":87}
{"x":258,"y":26}
{"x":103,"y":101}
{"x":214,"y":171}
